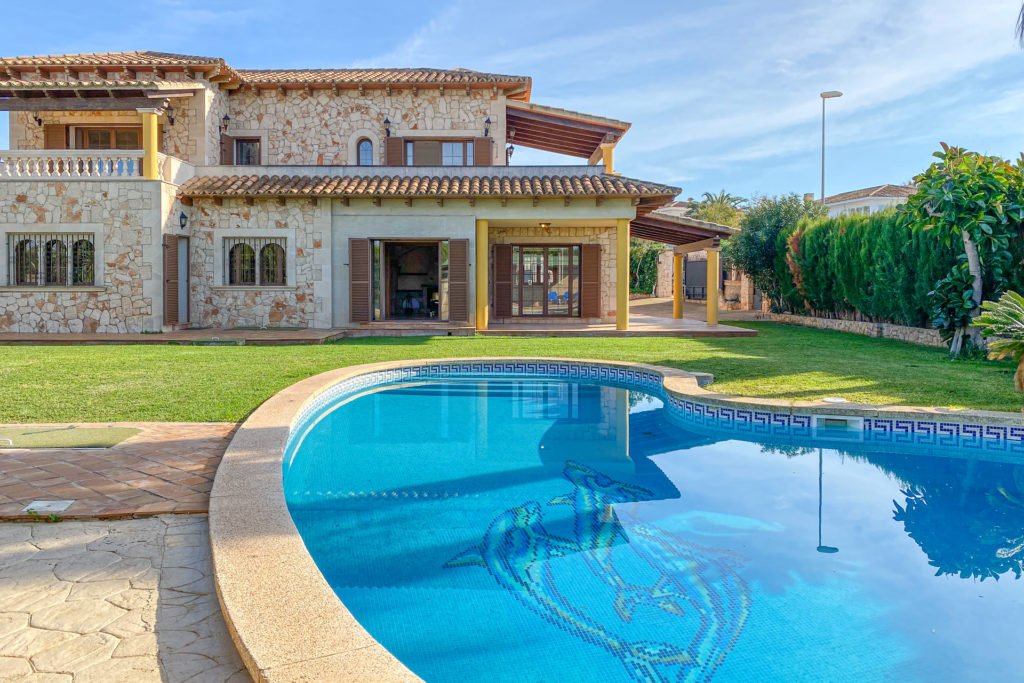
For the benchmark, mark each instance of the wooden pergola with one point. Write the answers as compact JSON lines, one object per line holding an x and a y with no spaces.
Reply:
{"x":561,"y":131}
{"x":687,"y":235}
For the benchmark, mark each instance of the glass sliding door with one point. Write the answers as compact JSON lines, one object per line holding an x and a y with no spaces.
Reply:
{"x":545,"y":280}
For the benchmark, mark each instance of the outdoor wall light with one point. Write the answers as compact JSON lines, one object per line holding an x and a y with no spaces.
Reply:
{"x":170,"y":115}
{"x":545,"y":226}
{"x":39,"y":121}
{"x":387,"y":127}
{"x":509,"y":151}
{"x":224,"y":122}
{"x":182,"y":220}
{"x":487,"y":127}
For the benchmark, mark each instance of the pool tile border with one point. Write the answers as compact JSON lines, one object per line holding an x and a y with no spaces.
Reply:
{"x":285,"y":620}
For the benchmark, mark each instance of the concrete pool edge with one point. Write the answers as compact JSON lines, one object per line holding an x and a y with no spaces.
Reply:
{"x":285,"y":620}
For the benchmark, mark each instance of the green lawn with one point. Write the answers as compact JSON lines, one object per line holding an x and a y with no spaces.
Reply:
{"x":191,"y":383}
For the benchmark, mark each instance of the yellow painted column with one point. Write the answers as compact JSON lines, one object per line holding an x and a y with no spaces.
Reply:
{"x":150,"y":144}
{"x":622,"y":274}
{"x":714,"y":274}
{"x":677,"y":286}
{"x":608,"y":157}
{"x":482,"y":269}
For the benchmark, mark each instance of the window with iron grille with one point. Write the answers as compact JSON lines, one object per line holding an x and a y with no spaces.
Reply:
{"x":255,"y":261}
{"x":60,"y":259}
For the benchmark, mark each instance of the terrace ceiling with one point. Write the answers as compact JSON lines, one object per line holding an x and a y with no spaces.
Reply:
{"x":676,"y":230}
{"x":559,"y":130}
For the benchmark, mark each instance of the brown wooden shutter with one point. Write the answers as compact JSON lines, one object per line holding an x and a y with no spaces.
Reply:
{"x":170,"y":279}
{"x":502,"y":280}
{"x":458,"y":280}
{"x":590,"y":281}
{"x":227,"y":150}
{"x":482,"y":152}
{"x":55,"y":136}
{"x":394,"y":152}
{"x":359,"y":257}
{"x":426,"y":153}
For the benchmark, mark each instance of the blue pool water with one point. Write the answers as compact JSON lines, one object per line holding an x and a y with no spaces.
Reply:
{"x":543,"y":530}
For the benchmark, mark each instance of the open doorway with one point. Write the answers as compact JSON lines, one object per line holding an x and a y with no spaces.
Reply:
{"x":410,"y":280}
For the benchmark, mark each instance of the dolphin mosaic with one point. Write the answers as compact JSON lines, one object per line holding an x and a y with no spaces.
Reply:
{"x":517,"y":549}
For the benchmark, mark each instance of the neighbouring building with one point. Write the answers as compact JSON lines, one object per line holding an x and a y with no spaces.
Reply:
{"x":148,"y":191}
{"x":868,"y":200}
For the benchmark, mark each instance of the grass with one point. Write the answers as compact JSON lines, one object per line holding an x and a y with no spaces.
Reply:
{"x":190,"y":383}
{"x":64,"y":437}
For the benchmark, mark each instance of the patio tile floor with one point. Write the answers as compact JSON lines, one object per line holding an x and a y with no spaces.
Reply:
{"x":166,"y":468}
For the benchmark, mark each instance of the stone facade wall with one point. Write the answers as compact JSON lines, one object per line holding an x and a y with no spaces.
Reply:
{"x":216,"y":305}
{"x":319,"y":127}
{"x":603,"y":236}
{"x":127,"y":212}
{"x":216,"y":106}
{"x":913,"y":335}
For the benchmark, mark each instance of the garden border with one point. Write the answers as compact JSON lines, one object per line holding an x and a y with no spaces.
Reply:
{"x":285,"y":620}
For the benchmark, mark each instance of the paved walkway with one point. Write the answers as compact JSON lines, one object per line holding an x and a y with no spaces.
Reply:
{"x":167,"y":467}
{"x":128,"y":601}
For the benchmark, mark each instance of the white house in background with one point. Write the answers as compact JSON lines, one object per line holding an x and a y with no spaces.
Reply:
{"x":868,"y":200}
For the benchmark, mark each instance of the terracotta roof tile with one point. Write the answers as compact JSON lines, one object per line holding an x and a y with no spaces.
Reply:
{"x":132,"y":58}
{"x":423,"y":76}
{"x":876,"y":191}
{"x":425,"y":186}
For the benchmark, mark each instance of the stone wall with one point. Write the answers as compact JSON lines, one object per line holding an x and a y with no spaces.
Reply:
{"x":214,"y":304}
{"x":321,"y":127}
{"x":127,"y":214}
{"x":913,"y":335}
{"x":603,"y":236}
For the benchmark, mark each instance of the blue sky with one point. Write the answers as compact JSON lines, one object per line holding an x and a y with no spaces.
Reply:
{"x":721,"y":94}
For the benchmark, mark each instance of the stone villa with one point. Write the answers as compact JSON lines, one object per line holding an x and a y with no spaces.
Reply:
{"x":147,"y":192}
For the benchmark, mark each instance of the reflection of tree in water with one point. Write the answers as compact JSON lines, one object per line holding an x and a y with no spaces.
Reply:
{"x":967,"y":516}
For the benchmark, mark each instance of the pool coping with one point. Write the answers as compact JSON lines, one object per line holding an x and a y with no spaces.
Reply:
{"x":283,"y":616}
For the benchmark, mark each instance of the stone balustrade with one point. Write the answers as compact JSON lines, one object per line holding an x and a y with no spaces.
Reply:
{"x":73,"y":163}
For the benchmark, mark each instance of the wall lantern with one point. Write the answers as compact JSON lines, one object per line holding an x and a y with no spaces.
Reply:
{"x":224,"y":123}
{"x":545,"y":226}
{"x":182,"y":220}
{"x":39,"y":121}
{"x":487,"y":127}
{"x":509,"y":151}
{"x":387,"y":127}
{"x":170,"y":114}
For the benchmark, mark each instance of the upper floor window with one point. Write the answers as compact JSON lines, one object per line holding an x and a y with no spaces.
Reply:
{"x":51,"y":260}
{"x":247,"y":151}
{"x":364,"y":149}
{"x":108,"y":137}
{"x":255,"y":260}
{"x":439,"y":153}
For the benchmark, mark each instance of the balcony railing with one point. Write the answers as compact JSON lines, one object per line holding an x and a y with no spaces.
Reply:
{"x":74,"y":163}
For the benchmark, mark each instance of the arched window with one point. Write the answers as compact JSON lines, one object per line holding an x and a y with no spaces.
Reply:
{"x":364,"y":149}
{"x":26,"y":262}
{"x":56,"y":263}
{"x":272,"y":265}
{"x":241,"y":265}
{"x":83,"y":263}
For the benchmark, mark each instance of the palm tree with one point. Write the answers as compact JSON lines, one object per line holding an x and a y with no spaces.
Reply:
{"x":723,"y":198}
{"x":721,"y":207}
{"x":1004,"y":320}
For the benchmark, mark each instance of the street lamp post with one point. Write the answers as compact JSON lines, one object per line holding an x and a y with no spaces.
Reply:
{"x":827,"y":95}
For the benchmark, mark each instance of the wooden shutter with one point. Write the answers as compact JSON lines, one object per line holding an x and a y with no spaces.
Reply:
{"x":394,"y":152}
{"x":55,"y":136}
{"x":227,"y":150}
{"x":458,"y":280}
{"x":426,"y":153}
{"x":482,"y":152}
{"x":502,"y":280}
{"x":590,"y":281}
{"x":170,"y":279}
{"x":359,"y":257}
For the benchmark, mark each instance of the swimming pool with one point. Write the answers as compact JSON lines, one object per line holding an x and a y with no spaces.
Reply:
{"x":524,"y":527}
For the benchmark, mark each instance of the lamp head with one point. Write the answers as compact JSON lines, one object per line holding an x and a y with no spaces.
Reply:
{"x":830,"y":94}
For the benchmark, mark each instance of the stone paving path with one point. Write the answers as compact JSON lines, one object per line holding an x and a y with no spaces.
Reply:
{"x":167,"y":467}
{"x":129,"y":601}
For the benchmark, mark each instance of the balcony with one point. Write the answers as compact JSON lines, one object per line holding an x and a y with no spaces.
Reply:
{"x":70,"y":164}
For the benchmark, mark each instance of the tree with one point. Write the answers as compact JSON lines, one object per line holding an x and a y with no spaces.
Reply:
{"x":1004,"y":320}
{"x":722,"y":208}
{"x":755,"y":248}
{"x":975,"y":200}
{"x":643,"y":265}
